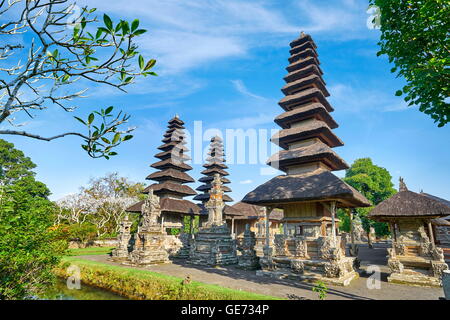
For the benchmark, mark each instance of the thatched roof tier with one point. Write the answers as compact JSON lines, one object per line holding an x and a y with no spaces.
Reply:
{"x":173,"y":145}
{"x":170,"y":205}
{"x":445,"y":202}
{"x":316,"y":151}
{"x":312,"y":110}
{"x":301,"y":73}
{"x":172,"y":129}
{"x":252,"y":212}
{"x":304,"y":38}
{"x":176,"y":120}
{"x":307,"y":130}
{"x":170,"y":187}
{"x":208,"y":186}
{"x":305,"y":97}
{"x":212,"y":171}
{"x":302,"y":47}
{"x":303,"y":83}
{"x":302,"y":63}
{"x":313,"y":186}
{"x":171,"y":163}
{"x":211,"y":178}
{"x":409,"y":204}
{"x":204,"y":197}
{"x":170,"y":174}
{"x":176,"y":138}
{"x":215,"y":165}
{"x":308,"y":52}
{"x":174,"y":154}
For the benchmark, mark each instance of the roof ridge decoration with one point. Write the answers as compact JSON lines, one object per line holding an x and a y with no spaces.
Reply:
{"x":402,"y":185}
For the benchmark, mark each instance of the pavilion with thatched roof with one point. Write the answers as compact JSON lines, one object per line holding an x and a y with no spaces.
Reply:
{"x":414,"y":257}
{"x":308,"y":193}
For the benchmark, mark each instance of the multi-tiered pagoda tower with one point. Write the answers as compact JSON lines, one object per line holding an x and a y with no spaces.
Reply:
{"x":308,"y":192}
{"x":171,"y":178}
{"x":215,"y":164}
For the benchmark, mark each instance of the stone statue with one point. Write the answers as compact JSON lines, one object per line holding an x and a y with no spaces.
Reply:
{"x":151,"y":211}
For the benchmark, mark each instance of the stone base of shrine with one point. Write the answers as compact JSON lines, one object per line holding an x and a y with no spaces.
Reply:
{"x":248,"y":263}
{"x":148,"y":248}
{"x":340,"y":273}
{"x":119,"y":255}
{"x":414,"y":279}
{"x":310,"y":277}
{"x":145,"y":258}
{"x":213,"y":246}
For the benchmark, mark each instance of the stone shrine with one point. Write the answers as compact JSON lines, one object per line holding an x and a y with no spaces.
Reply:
{"x":309,"y":193}
{"x":121,"y":251}
{"x":148,"y":247}
{"x":414,"y":257}
{"x":213,"y":244}
{"x":248,"y":259}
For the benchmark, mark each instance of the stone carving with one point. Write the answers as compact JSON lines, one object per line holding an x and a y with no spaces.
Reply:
{"x":438,"y":268}
{"x":300,"y":248}
{"x":215,"y":204}
{"x":297,"y":266}
{"x":332,"y":270}
{"x":121,"y":251}
{"x":248,"y":259}
{"x":149,"y":241}
{"x":280,"y":244}
{"x":328,"y":251}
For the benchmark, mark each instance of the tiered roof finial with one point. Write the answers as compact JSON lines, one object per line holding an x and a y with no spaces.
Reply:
{"x":215,"y":164}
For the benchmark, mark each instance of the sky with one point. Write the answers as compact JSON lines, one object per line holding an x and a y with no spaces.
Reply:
{"x":221,"y":64}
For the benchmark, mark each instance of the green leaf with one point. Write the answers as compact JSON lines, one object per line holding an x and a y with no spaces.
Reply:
{"x":139,"y":32}
{"x":116,"y":138}
{"x":128,"y":137}
{"x":134,"y":25}
{"x":108,"y":22}
{"x":81,"y":120}
{"x":150,"y":64}
{"x":141,"y":62}
{"x":398,"y":93}
{"x":91,"y":118}
{"x":106,"y":140}
{"x":109,"y":109}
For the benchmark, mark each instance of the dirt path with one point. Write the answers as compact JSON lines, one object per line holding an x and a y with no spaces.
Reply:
{"x":234,"y":278}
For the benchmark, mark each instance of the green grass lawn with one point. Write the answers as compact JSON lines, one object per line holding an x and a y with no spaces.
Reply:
{"x":142,"y":284}
{"x":89,"y":251}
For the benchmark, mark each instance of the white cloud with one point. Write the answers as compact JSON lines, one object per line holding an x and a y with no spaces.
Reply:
{"x":240,"y":87}
{"x":246,"y":182}
{"x":347,"y":98}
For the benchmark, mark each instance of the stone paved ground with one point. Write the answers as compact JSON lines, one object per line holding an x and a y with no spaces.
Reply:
{"x":234,"y":278}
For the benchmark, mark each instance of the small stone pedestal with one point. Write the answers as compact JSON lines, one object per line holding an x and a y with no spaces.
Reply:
{"x":248,"y":259}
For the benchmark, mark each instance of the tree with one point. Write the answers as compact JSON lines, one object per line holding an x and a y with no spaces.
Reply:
{"x":102,"y":203}
{"x":375,"y":183}
{"x":29,"y":247}
{"x":63,"y":47}
{"x":414,"y":35}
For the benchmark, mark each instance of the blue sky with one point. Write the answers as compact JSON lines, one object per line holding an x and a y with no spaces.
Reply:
{"x":222,"y":63}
